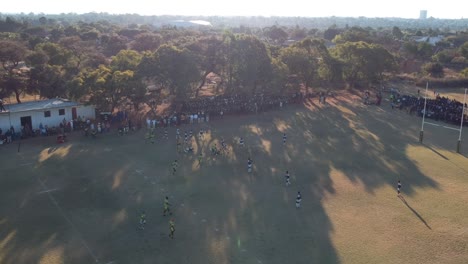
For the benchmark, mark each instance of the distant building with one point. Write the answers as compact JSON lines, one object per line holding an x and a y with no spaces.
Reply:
{"x":431,"y":40}
{"x":191,"y":23}
{"x":423,"y":14}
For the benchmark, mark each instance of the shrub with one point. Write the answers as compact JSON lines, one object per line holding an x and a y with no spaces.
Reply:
{"x":434,"y":69}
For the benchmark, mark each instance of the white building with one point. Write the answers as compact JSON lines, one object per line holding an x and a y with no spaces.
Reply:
{"x":423,"y":14}
{"x":431,"y":40}
{"x":48,"y":112}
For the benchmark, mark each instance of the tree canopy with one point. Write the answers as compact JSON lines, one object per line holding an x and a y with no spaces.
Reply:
{"x":111,"y":62}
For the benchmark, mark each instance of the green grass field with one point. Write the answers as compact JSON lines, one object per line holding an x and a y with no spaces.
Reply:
{"x":79,"y":202}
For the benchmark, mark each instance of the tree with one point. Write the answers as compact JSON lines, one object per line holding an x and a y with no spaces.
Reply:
{"x":300,"y":63}
{"x":396,"y":32}
{"x":329,"y":68}
{"x":424,"y":50}
{"x":56,"y":34}
{"x":276,"y":34}
{"x":48,"y":80}
{"x":54,"y":65}
{"x":363,"y":61}
{"x":434,"y":69}
{"x":126,"y":60}
{"x":10,"y":25}
{"x":464,"y":50}
{"x":114,"y":44}
{"x":57,"y":54}
{"x":78,"y":48}
{"x":331,"y":32}
{"x":250,"y":63}
{"x":353,"y":34}
{"x":279,"y":76}
{"x":209,"y":55}
{"x":12,"y":81}
{"x":108,"y":88}
{"x":444,"y":56}
{"x":174,"y":68}
{"x":464,"y":73}
{"x":146,"y":42}
{"x":298,"y":33}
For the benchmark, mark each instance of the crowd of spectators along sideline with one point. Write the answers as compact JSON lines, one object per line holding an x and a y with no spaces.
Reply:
{"x":191,"y":111}
{"x":202,"y":109}
{"x":440,"y":108}
{"x":239,"y":104}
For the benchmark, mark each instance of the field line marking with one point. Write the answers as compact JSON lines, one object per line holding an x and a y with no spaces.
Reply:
{"x":26,"y":164}
{"x":452,"y":128}
{"x":50,"y":190}
{"x":52,"y":199}
{"x":429,"y":123}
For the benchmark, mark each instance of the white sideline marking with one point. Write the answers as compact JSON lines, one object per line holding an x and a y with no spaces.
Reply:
{"x":52,"y":199}
{"x":431,"y":124}
{"x":441,"y":126}
{"x":50,"y":190}
{"x":452,"y":128}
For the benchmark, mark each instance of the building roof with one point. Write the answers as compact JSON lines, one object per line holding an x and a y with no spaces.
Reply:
{"x":39,"y":105}
{"x":191,"y":23}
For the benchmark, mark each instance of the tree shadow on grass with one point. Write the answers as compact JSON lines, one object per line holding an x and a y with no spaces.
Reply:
{"x":366,"y":146}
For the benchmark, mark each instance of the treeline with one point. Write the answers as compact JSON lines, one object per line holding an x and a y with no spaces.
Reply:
{"x":110,"y":65}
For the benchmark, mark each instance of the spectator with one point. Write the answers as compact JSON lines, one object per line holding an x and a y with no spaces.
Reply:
{"x":2,"y":108}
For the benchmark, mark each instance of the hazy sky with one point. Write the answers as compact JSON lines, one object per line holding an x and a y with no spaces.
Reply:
{"x":310,"y":8}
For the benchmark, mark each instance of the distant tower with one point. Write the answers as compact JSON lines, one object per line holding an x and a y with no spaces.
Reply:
{"x":423,"y":14}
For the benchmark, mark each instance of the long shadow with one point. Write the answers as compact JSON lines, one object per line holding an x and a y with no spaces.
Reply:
{"x":436,"y":152}
{"x":414,"y":211}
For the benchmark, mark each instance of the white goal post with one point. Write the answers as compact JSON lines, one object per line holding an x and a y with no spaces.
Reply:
{"x":421,"y":133}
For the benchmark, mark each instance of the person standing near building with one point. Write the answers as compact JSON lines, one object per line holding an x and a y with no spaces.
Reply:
{"x":2,"y":108}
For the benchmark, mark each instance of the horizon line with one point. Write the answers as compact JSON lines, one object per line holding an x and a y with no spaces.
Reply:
{"x":227,"y":16}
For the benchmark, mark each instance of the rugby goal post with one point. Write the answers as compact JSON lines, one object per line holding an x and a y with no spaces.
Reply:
{"x":421,"y":133}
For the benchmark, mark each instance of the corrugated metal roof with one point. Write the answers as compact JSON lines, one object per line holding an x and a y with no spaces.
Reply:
{"x":39,"y":105}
